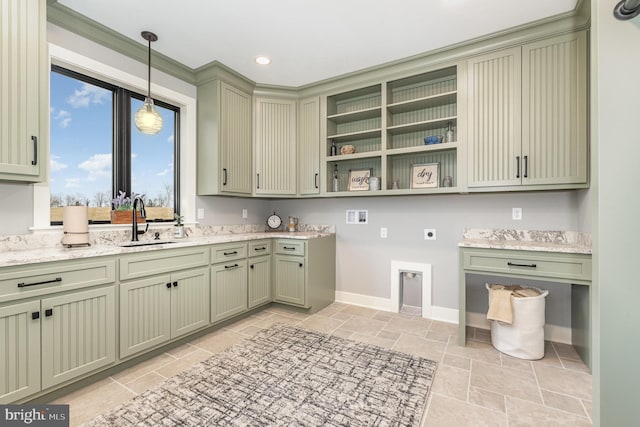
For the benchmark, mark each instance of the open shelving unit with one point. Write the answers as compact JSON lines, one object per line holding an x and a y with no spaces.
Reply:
{"x":387,"y":124}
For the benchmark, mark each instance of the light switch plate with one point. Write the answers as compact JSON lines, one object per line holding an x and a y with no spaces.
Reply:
{"x":200,"y":213}
{"x":516,"y":214}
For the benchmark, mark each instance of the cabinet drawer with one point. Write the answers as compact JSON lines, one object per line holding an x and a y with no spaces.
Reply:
{"x":161,"y":261}
{"x":41,"y":279}
{"x":526,"y":263}
{"x":259,"y":247}
{"x":290,"y":247}
{"x":228,"y":252}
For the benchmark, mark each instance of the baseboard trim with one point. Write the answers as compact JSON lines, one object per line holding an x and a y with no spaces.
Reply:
{"x":377,"y":303}
{"x":553,"y":333}
{"x":442,"y":314}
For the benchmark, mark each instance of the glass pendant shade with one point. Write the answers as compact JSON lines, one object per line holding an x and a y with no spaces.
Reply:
{"x":147,"y":118}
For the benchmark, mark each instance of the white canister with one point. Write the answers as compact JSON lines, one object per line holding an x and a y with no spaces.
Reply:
{"x":374,"y":183}
{"x":75,"y":225}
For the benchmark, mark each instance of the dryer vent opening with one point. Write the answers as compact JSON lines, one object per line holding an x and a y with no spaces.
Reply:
{"x":411,"y":288}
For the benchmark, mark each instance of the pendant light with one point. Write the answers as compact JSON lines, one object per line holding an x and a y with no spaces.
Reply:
{"x":147,"y":118}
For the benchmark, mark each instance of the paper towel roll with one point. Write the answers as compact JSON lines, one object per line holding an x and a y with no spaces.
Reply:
{"x":75,"y":225}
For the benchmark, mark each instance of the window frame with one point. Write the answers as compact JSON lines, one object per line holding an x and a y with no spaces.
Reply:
{"x":121,"y":137}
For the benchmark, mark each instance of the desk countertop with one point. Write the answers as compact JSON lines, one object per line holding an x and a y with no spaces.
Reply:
{"x":528,"y":240}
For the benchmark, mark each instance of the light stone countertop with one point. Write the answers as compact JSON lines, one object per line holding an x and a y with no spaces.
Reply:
{"x":60,"y":253}
{"x":528,"y":240}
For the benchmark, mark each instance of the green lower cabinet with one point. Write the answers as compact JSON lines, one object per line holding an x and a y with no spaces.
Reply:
{"x":157,"y":309}
{"x":259,"y":280}
{"x":189,"y":301}
{"x":20,"y":354}
{"x":290,"y":279}
{"x":145,"y":320}
{"x":78,"y":334}
{"x":228,"y":289}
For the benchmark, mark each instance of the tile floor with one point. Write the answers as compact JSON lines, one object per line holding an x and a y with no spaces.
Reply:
{"x":474,"y":385}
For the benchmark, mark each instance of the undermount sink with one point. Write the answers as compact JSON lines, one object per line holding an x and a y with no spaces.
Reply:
{"x":152,"y":243}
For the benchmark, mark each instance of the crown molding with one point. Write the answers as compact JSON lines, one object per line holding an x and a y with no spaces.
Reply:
{"x":79,"y":24}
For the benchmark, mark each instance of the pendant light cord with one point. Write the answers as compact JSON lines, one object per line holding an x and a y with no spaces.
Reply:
{"x":149,"y":72}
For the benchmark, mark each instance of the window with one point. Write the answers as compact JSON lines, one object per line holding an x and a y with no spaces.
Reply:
{"x":97,"y":152}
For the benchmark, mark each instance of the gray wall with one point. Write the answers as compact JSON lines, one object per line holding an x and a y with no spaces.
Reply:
{"x":364,"y":259}
{"x":16,"y":205}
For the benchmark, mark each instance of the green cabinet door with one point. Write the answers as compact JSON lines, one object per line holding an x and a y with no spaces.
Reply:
{"x":275,"y":146}
{"x":235,"y":139}
{"x":78,"y":334}
{"x":24,"y":109}
{"x":494,"y":119}
{"x":224,"y":143}
{"x":20,"y":354}
{"x":554,"y":110}
{"x":259,"y":280}
{"x":145,"y":314}
{"x":189,"y":301}
{"x":309,"y":145}
{"x":228,"y":289}
{"x":289,"y":279}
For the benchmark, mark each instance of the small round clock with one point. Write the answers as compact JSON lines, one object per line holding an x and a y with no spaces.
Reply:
{"x":274,"y":221}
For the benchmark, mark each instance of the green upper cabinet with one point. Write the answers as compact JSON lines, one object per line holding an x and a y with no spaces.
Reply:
{"x":275,"y":146}
{"x":24,"y":109}
{"x":554,"y":110}
{"x":527,"y":109}
{"x":224,"y":139}
{"x":494,"y":82}
{"x":309,"y":146}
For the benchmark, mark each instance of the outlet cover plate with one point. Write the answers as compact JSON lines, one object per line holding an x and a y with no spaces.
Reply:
{"x":429,"y":234}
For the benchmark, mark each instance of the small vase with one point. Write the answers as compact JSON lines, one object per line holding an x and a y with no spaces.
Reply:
{"x":178,"y":231}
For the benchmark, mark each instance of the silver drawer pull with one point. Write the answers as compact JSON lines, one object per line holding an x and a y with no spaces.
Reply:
{"x":24,"y":285}
{"x":513,"y":264}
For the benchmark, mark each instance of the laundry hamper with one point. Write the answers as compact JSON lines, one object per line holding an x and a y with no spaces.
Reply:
{"x":524,"y":338}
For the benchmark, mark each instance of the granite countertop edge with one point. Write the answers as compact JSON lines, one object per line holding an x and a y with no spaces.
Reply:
{"x":525,"y":246}
{"x":555,"y":241}
{"x":61,"y":253}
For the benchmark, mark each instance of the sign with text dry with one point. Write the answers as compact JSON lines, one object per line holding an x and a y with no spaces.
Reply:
{"x":359,"y":179}
{"x":424,"y":175}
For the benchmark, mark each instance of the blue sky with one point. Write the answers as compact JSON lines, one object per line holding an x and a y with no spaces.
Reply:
{"x":81,"y":143}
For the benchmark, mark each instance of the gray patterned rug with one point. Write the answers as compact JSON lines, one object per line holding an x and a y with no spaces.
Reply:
{"x":287,"y":376}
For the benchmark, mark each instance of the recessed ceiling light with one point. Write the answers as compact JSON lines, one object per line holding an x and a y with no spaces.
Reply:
{"x":263,"y":60}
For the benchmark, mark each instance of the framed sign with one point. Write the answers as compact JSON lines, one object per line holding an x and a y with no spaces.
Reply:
{"x":359,"y":179}
{"x":424,"y":175}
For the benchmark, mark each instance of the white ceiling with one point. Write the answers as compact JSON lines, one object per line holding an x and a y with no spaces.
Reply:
{"x":307,"y":40}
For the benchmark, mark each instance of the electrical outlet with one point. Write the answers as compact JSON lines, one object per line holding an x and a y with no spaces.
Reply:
{"x":245,"y":214}
{"x":516,"y":214}
{"x":429,"y":234}
{"x":383,"y":232}
{"x":200,"y":213}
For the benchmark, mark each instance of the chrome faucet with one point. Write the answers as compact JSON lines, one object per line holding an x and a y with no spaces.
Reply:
{"x":143,"y":214}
